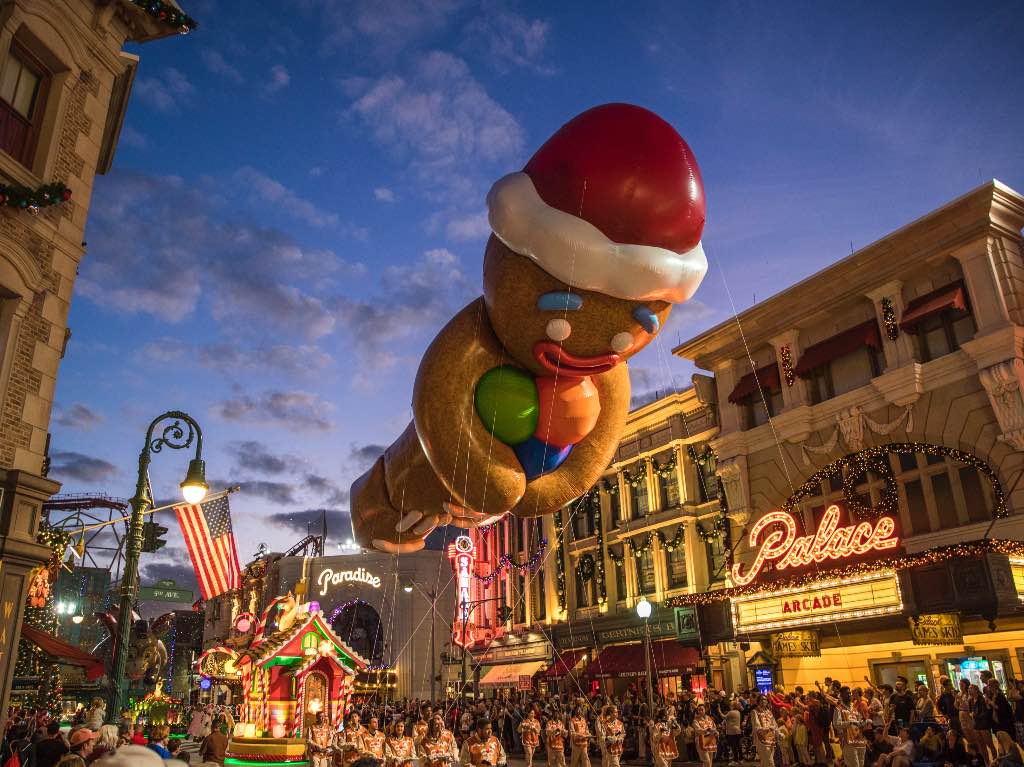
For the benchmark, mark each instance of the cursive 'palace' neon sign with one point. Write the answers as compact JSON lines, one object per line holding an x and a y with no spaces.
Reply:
{"x":782,"y":545}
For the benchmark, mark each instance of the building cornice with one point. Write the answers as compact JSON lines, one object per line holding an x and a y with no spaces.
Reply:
{"x":991,"y":209}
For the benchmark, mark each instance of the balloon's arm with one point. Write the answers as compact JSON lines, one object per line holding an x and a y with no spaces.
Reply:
{"x":482,"y":473}
{"x":589,"y":458}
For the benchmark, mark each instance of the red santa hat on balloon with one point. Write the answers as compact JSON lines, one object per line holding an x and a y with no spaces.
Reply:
{"x":612,"y":203}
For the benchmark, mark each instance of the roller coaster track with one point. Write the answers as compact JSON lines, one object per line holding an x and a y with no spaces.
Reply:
{"x":104,"y":546}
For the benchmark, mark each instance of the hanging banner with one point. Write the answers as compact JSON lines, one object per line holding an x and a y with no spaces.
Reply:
{"x":795,"y":644}
{"x":943,"y":628}
{"x":687,"y":627}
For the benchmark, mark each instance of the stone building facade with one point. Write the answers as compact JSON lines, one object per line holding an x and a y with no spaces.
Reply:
{"x":652,"y":528}
{"x":889,"y":383}
{"x":64,"y":86}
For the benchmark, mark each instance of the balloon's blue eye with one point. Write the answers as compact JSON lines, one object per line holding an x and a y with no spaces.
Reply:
{"x":647,"y":319}
{"x":560,"y":301}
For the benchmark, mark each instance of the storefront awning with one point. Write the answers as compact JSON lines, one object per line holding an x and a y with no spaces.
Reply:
{"x":668,"y":658}
{"x":763,"y":378}
{"x":509,"y":675}
{"x":62,"y":651}
{"x":564,"y":663}
{"x":949,"y":297}
{"x":839,"y":345}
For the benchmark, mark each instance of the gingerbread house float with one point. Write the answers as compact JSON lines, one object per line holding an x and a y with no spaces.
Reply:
{"x":293,"y":666}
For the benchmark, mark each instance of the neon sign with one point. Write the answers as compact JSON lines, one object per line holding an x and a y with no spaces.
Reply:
{"x":462,"y":553}
{"x":782,"y":545}
{"x":330,"y":578}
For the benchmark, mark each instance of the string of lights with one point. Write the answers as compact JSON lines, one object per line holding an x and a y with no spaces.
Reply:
{"x":892,"y":329}
{"x":559,"y":561}
{"x":506,"y":562}
{"x":895,"y":562}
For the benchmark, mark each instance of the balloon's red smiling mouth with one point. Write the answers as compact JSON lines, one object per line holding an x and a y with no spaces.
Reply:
{"x":558,"y":361}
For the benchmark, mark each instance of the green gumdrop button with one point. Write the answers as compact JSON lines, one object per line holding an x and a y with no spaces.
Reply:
{"x":507,"y":402}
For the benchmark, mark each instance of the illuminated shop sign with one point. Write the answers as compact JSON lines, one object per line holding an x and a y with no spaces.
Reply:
{"x":943,"y":628}
{"x":795,"y":644}
{"x":851,"y":598}
{"x":775,"y":540}
{"x":1017,"y":571}
{"x":329,"y":577}
{"x":462,"y":553}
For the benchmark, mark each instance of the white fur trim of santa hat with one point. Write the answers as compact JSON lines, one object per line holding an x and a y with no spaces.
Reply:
{"x":580,"y":255}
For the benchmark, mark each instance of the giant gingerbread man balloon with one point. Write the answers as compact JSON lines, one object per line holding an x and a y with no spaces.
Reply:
{"x":520,"y":400}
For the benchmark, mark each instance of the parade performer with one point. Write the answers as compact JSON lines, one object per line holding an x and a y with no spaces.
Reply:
{"x":529,"y":729}
{"x":848,"y":724}
{"x":482,"y":749}
{"x":419,"y":729}
{"x":592,"y":243}
{"x":763,"y":726}
{"x":613,"y":737}
{"x":372,"y":741}
{"x":399,"y":748}
{"x":437,"y":747}
{"x":554,"y":736}
{"x":350,"y":739}
{"x":579,"y":739}
{"x":320,"y":741}
{"x":664,"y":734}
{"x":705,"y":736}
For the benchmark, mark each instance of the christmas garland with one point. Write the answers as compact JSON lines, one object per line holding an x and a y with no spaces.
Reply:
{"x":505,"y":562}
{"x":612,"y":488}
{"x":720,"y":526}
{"x":167,"y":14}
{"x":559,"y":560}
{"x":595,"y":510}
{"x":876,"y":459}
{"x":641,"y":473}
{"x":667,"y":469}
{"x":786,"y":358}
{"x":895,"y":562}
{"x":585,"y":567}
{"x":655,"y":535}
{"x":892,"y":330}
{"x":32,"y":200}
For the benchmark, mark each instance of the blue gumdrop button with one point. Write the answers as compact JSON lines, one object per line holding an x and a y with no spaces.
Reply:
{"x":538,"y":458}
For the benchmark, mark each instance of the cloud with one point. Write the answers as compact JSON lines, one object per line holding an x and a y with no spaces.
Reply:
{"x":132,"y":137}
{"x":166,"y":93}
{"x":252,"y":455}
{"x":326,"y":489}
{"x":383,"y":194}
{"x":413,"y":298}
{"x":509,"y":41}
{"x":255,"y":276}
{"x":233,"y":360}
{"x":339,"y":522}
{"x":264,"y":188}
{"x":84,"y":468}
{"x":383,"y":28}
{"x":296,"y":410}
{"x":438,"y":119}
{"x":276,"y":492}
{"x":171,"y":563}
{"x":279,"y":79}
{"x":215,"y":62}
{"x":366,"y":455}
{"x":471,"y":227}
{"x":77,"y":416}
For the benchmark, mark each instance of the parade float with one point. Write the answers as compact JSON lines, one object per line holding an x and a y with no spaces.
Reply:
{"x":290,"y":665}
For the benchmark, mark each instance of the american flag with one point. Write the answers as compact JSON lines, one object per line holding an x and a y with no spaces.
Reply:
{"x":211,"y":545}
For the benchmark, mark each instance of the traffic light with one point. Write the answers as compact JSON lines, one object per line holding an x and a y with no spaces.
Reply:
{"x":504,"y":614}
{"x":152,"y":537}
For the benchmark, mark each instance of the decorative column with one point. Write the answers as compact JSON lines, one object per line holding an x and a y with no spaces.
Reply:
{"x":727,"y":374}
{"x":888,"y":303}
{"x":787,"y":353}
{"x":732,"y":474}
{"x":986,"y":299}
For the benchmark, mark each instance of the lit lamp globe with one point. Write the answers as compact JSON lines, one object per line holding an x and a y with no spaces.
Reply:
{"x":407,"y":588}
{"x":643,"y":609}
{"x":77,"y":618}
{"x":194,"y":488}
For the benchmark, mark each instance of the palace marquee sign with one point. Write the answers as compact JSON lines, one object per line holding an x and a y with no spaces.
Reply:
{"x":781,"y":545}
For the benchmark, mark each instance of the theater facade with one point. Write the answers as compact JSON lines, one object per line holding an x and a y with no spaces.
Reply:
{"x":870,"y":448}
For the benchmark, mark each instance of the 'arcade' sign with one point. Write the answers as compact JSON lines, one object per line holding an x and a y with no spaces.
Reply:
{"x":786,"y":549}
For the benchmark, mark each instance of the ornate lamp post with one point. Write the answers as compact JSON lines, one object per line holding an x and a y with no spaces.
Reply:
{"x":178,"y":435}
{"x":643,"y":611}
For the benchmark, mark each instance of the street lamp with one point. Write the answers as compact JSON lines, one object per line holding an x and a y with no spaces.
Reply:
{"x":179,"y":434}
{"x":643,"y":611}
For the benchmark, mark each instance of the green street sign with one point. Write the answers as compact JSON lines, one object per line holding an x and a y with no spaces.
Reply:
{"x":165,"y":594}
{"x":687,"y":627}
